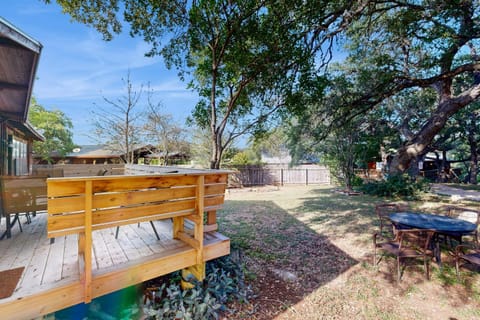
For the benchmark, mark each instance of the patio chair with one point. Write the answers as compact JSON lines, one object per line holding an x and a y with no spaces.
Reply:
{"x":468,"y":254}
{"x":21,"y":196}
{"x":408,"y":244}
{"x":387,"y":229}
{"x":467,"y":214}
{"x":383,"y":210}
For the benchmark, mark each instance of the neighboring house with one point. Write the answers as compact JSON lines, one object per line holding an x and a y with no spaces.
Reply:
{"x":173,"y":158}
{"x":283,"y":159}
{"x":19,"y":55}
{"x":87,"y":154}
{"x":100,"y":154}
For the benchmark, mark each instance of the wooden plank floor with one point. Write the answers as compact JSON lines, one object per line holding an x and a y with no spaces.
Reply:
{"x":49,"y":266}
{"x":47,"y":263}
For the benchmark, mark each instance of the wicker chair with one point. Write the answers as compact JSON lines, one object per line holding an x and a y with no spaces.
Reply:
{"x":408,"y":244}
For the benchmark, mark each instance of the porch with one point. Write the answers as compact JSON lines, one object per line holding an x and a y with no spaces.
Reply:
{"x":164,"y":223}
{"x":51,"y":278}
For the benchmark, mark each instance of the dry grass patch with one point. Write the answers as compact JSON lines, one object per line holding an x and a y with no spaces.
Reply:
{"x":307,"y":251}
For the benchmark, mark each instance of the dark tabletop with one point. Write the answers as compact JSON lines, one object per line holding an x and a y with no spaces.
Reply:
{"x":431,"y":221}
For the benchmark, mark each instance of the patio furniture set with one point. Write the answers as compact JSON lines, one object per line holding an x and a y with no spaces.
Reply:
{"x":406,"y":235}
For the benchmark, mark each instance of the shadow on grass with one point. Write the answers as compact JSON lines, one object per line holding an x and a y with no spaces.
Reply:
{"x":288,"y":259}
{"x":286,"y":245}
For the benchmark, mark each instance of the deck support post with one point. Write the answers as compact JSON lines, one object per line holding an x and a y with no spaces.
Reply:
{"x":197,"y":271}
{"x":211,"y":224}
{"x":198,"y":229}
{"x":87,"y":245}
{"x":178,"y":226}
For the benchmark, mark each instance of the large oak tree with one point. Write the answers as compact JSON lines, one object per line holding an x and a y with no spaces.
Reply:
{"x":243,"y":58}
{"x":403,"y":48}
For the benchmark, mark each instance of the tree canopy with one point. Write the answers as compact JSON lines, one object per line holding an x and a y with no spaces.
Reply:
{"x":55,"y":126}
{"x":252,"y":60}
{"x":242,"y":57}
{"x":420,"y":56}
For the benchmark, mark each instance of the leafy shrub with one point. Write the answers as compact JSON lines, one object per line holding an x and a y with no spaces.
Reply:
{"x":356,"y":181}
{"x":224,"y":282}
{"x":397,"y":186}
{"x":184,"y":304}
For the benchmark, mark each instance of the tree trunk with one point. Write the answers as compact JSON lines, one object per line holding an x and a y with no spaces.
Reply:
{"x":217,"y":151}
{"x":473,"y":150}
{"x":414,"y":170}
{"x":473,"y":165}
{"x":418,"y":144}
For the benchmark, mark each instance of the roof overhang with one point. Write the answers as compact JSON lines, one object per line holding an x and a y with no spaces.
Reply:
{"x":26,"y":129}
{"x":19,"y":56}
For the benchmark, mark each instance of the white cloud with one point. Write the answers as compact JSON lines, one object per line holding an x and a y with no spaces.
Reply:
{"x":77,"y":68}
{"x":84,"y":67}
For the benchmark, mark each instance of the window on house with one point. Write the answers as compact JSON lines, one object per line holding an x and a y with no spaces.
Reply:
{"x":19,"y":156}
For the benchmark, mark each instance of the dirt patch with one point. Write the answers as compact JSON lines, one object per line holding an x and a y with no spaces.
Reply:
{"x":307,"y":252}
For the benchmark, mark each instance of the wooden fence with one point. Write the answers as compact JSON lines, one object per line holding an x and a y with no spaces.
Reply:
{"x":259,"y":176}
{"x":246,"y":177}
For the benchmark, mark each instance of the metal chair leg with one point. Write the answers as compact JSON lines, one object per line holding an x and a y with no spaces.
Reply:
{"x":154,"y":230}
{"x":17,"y":219}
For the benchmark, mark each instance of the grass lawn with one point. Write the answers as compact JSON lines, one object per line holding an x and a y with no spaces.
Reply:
{"x":307,"y":251}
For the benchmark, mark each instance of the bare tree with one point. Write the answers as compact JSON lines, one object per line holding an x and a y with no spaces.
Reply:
{"x":118,"y":126}
{"x":163,"y":132}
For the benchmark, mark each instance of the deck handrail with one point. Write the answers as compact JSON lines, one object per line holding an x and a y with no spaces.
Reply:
{"x":81,"y":205}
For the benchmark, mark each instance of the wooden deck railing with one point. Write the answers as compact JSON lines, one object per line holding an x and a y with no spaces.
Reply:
{"x":83,"y":205}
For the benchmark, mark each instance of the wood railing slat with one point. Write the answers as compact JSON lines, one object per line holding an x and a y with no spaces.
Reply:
{"x":84,"y":204}
{"x":88,"y":240}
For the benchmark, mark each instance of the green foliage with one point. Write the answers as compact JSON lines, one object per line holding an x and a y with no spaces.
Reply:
{"x":243,"y":58}
{"x":55,"y":126}
{"x":243,"y":158}
{"x":185,"y":304}
{"x":397,"y":186}
{"x":240,"y":159}
{"x":356,"y":181}
{"x":224,"y":281}
{"x":401,"y":62}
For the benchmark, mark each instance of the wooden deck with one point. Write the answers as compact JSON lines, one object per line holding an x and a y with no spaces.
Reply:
{"x":51,"y":278}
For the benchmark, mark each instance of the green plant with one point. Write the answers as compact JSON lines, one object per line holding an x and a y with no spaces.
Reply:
{"x":397,"y":186}
{"x":356,"y":181}
{"x":224,"y":282}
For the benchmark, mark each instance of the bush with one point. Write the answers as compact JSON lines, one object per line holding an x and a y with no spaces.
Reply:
{"x":224,"y":282}
{"x":356,"y":181}
{"x":397,"y":186}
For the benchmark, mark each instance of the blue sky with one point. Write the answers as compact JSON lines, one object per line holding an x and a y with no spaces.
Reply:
{"x":77,"y":68}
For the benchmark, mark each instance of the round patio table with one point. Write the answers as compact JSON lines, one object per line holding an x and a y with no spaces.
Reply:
{"x":440,"y":224}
